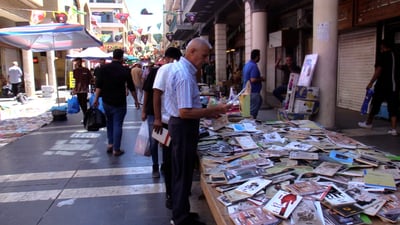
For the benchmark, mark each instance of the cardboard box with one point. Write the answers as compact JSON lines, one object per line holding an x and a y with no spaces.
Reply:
{"x":307,"y":93}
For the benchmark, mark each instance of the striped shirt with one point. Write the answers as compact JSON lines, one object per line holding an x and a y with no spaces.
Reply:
{"x":181,"y":90}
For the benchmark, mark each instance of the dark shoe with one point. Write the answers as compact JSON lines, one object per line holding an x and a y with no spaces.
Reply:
{"x":109,"y":150}
{"x":156,"y":172}
{"x":194,"y":215}
{"x":118,"y":152}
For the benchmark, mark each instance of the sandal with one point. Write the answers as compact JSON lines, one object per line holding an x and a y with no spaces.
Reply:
{"x":109,"y":149}
{"x":118,"y":152}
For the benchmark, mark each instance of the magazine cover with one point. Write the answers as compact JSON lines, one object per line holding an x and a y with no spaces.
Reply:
{"x":252,"y":186}
{"x":255,"y":216}
{"x":308,"y":212}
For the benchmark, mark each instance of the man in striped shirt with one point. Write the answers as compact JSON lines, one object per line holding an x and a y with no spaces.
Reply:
{"x":182,"y":101}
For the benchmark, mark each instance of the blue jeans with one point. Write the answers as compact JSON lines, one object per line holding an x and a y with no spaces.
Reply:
{"x":255,"y":104}
{"x":153,"y":142}
{"x":279,"y":91}
{"x":115,"y":119}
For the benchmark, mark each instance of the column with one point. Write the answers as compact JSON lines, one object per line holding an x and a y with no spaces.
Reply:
{"x":51,"y":71}
{"x":259,"y":37}
{"x":29,"y":78}
{"x":220,"y":53}
{"x":325,"y":37}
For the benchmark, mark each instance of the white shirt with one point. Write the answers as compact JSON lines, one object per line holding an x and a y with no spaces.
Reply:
{"x":181,"y":88}
{"x":159,"y":83}
{"x":14,"y":75}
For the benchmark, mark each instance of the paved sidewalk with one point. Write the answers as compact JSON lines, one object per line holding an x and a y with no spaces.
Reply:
{"x":18,"y":119}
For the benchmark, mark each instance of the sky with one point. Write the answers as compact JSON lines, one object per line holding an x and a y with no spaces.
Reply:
{"x":144,"y":21}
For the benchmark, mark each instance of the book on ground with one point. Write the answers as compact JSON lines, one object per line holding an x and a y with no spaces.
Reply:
{"x":378,"y":179}
{"x":327,"y":168}
{"x":303,"y":155}
{"x":336,"y":197}
{"x":308,"y":212}
{"x":283,"y":203}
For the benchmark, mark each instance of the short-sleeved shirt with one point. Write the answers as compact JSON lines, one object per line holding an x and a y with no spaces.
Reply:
{"x":148,"y":88}
{"x":15,"y":74}
{"x":388,"y":78}
{"x":113,"y":80}
{"x":250,"y":70}
{"x":160,"y":83}
{"x":136,"y":73}
{"x":181,"y":88}
{"x":83,"y":78}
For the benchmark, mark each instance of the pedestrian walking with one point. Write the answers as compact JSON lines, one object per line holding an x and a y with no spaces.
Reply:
{"x":15,"y":78}
{"x":111,"y":85}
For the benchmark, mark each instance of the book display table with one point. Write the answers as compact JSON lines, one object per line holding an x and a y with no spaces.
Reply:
{"x":306,"y":174}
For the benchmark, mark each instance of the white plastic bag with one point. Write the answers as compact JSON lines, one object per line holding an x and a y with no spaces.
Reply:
{"x":142,"y":145}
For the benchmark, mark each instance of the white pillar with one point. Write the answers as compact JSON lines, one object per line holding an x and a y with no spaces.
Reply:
{"x":29,"y":78}
{"x":325,"y":45}
{"x":259,"y":41}
{"x":248,"y":29}
{"x":51,"y":69}
{"x":220,"y":52}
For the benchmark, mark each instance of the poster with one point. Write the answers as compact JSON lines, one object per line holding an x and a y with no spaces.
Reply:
{"x":307,"y":70}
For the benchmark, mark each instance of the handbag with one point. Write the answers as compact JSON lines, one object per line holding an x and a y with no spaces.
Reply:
{"x":94,"y":119}
{"x":142,"y":145}
{"x":73,"y":105}
{"x":100,"y":106}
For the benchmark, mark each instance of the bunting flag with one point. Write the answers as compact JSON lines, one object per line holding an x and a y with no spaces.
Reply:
{"x":37,"y":16}
{"x":145,"y":12}
{"x":122,"y":17}
{"x":157,"y":38}
{"x":148,"y":28}
{"x":159,"y":26}
{"x":144,"y":38}
{"x":60,"y":17}
{"x":75,"y":11}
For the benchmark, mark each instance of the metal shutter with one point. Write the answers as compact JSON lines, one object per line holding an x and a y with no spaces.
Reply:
{"x":356,"y":59}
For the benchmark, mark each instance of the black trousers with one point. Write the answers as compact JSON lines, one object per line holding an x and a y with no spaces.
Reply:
{"x":82,"y":99}
{"x":167,"y":166}
{"x":16,"y":88}
{"x":184,"y":138}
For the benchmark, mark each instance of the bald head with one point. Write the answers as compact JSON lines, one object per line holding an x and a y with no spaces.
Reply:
{"x":198,"y":51}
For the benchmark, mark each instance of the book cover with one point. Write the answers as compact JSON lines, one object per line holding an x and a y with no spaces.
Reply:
{"x":341,"y":158}
{"x":347,"y":210}
{"x":252,"y":186}
{"x":246,"y":142}
{"x":303,"y":155}
{"x":377,"y":179}
{"x":254,"y":216}
{"x":240,"y":206}
{"x":308,"y":212}
{"x":374,"y":209}
{"x":163,"y":138}
{"x":233,"y":176}
{"x":283,"y":203}
{"x":224,"y":200}
{"x":307,"y":70}
{"x":233,"y":196}
{"x":305,"y":188}
{"x":336,"y":219}
{"x":327,"y":168}
{"x":336,"y":197}
{"x":392,"y":205}
{"x":363,"y":198}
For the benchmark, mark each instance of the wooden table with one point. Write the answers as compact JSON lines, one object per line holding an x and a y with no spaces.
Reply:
{"x":220,"y":212}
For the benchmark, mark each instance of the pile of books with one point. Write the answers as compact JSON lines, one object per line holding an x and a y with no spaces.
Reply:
{"x":299,"y":172}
